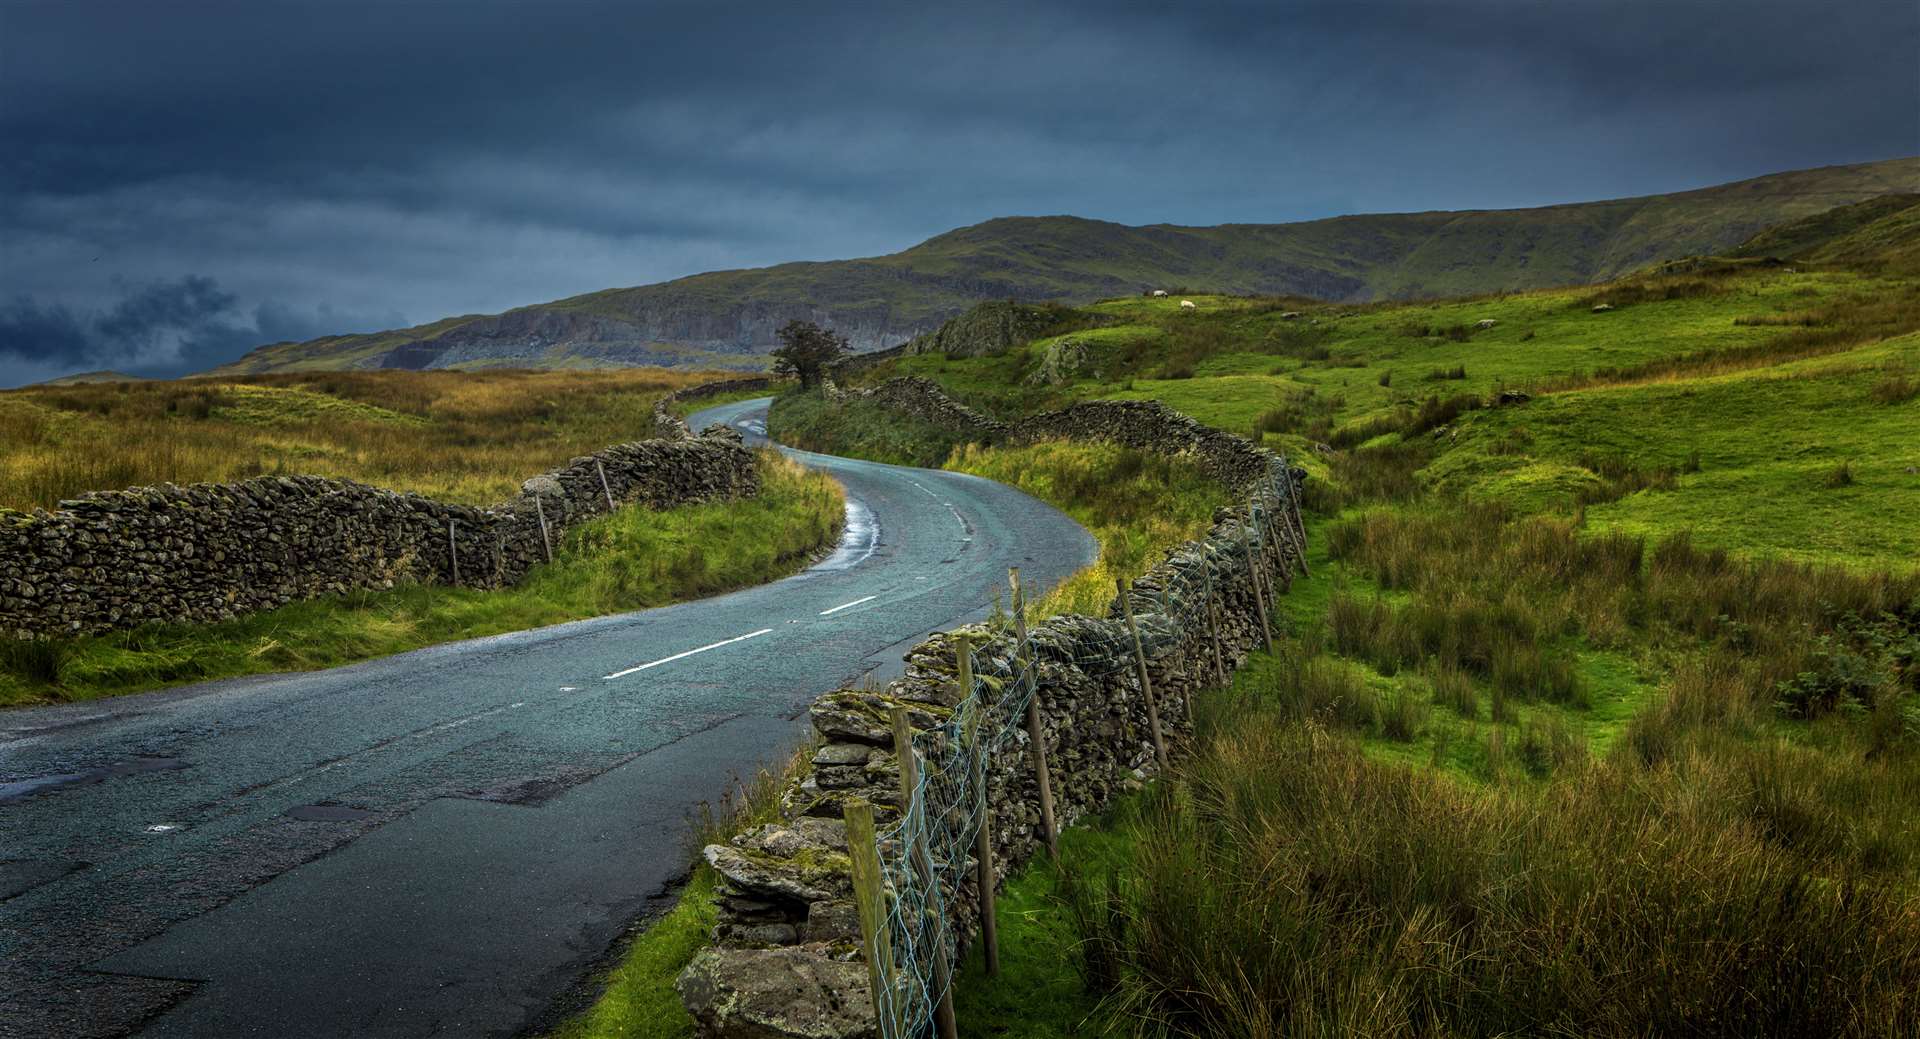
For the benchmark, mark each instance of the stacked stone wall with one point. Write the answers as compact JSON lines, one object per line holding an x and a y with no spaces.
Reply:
{"x":211,"y":552}
{"x":787,"y":956}
{"x":1144,"y":424}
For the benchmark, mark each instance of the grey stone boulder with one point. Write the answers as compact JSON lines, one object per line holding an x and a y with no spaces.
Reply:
{"x":758,"y":874}
{"x":788,"y":993}
{"x":860,"y":716}
{"x":544,"y":486}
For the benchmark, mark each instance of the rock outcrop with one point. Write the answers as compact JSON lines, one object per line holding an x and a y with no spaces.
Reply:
{"x":986,"y":330}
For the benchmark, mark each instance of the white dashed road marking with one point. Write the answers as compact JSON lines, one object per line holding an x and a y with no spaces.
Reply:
{"x":844,"y":605}
{"x":688,"y":653}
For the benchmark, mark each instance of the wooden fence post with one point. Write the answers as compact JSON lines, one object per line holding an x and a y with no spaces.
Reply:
{"x":1213,"y":620}
{"x":1254,"y":575}
{"x":1298,"y":523}
{"x":985,"y":878}
{"x":870,"y":898}
{"x":1146,"y":684}
{"x":1036,"y":732}
{"x":453,"y":552}
{"x":1271,"y":560}
{"x":922,"y":858}
{"x":545,"y":542}
{"x":602,"y":470}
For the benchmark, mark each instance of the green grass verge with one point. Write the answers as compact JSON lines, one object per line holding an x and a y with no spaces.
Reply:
{"x":1040,"y":992}
{"x":639,"y":1001}
{"x":857,"y":428}
{"x":1137,"y":504}
{"x":633,"y":559}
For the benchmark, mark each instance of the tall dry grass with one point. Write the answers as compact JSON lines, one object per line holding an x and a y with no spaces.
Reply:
{"x":1289,"y":885}
{"x":462,"y":436}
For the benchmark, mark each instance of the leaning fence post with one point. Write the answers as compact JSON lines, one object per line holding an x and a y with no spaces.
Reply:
{"x":1270,"y":560}
{"x":545,"y":542}
{"x":922,"y":858}
{"x":1036,"y":732}
{"x":869,"y":895}
{"x":1213,"y":619}
{"x":453,"y":552}
{"x":602,"y":470}
{"x":1146,"y":684}
{"x":1297,"y":524}
{"x":1253,"y":575}
{"x":984,"y":877}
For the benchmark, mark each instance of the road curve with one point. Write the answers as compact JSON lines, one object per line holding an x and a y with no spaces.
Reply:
{"x":439,"y":843}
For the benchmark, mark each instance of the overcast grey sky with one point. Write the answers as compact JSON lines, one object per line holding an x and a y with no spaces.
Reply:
{"x":181,"y":181}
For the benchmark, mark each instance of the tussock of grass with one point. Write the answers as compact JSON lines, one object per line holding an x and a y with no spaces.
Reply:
{"x":633,"y":559}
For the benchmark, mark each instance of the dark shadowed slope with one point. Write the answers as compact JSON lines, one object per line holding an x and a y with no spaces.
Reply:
{"x":728,"y":317}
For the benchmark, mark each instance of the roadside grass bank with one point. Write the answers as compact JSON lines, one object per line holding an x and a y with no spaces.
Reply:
{"x":857,"y":428}
{"x":633,"y":559}
{"x":1138,"y":505}
{"x":467,"y":437}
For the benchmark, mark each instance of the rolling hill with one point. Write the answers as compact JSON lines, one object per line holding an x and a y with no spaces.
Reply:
{"x":727,"y":318}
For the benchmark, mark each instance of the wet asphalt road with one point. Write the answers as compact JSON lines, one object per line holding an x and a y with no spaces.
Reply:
{"x":439,"y":843}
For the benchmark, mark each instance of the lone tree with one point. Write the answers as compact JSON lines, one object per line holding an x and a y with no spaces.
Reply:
{"x":806,"y":350}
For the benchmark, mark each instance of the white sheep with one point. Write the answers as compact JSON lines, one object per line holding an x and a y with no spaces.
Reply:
{"x":1187,"y":304}
{"x":1159,"y":293}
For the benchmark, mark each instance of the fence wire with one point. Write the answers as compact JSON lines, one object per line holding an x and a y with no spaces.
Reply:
{"x":926,"y":853}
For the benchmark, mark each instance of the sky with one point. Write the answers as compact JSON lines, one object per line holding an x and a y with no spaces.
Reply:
{"x":183,"y":181}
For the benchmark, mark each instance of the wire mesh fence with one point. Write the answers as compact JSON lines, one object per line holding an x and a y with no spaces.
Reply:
{"x":925,"y":854}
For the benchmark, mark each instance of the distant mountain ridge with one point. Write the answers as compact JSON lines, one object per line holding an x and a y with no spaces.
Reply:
{"x":82,"y":378}
{"x":727,"y":318}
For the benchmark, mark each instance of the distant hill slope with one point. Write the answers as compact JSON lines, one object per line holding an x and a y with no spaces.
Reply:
{"x":82,"y":378}
{"x":1881,"y":233}
{"x":727,"y":318}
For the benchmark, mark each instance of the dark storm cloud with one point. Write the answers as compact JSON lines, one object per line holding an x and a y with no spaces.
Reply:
{"x":161,"y":328}
{"x":428,"y":159}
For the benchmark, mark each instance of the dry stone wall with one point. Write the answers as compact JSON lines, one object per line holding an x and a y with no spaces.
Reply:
{"x":1144,"y":424}
{"x":672,"y":427}
{"x":787,"y":957}
{"x":211,"y":552}
{"x":1151,"y":426}
{"x":923,"y":399}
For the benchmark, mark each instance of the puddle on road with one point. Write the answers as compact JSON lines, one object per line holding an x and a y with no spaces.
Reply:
{"x":857,"y":540}
{"x":327,"y":813}
{"x":21,"y":789}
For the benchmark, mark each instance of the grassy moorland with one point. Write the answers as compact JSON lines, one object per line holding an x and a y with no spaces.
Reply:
{"x":1601,"y":711}
{"x":632,"y":559}
{"x":459,"y":436}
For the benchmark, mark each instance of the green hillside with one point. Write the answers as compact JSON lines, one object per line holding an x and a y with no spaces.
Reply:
{"x":1717,"y":396}
{"x":1599,"y":711}
{"x":727,"y":318}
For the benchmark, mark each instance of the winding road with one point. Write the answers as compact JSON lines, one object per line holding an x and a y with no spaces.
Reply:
{"x":443,"y":842}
